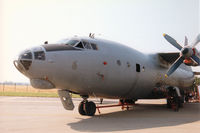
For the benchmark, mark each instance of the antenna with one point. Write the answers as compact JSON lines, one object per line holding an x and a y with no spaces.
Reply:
{"x":46,"y":42}
{"x":91,"y":35}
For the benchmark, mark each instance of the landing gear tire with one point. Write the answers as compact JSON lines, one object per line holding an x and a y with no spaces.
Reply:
{"x":80,"y":109}
{"x":187,"y":99}
{"x":169,"y":105}
{"x":176,"y":104}
{"x":87,"y":108}
{"x":180,"y":102}
{"x":90,"y":108}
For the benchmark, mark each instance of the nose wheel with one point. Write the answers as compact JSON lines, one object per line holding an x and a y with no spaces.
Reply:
{"x":87,"y":108}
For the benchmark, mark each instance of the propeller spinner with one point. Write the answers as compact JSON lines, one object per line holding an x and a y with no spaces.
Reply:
{"x":186,"y":52}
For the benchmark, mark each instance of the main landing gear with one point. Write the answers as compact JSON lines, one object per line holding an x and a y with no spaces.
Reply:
{"x":87,"y":107}
{"x":174,"y":99}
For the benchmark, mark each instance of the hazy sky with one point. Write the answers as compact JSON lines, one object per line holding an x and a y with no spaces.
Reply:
{"x":136,"y":23}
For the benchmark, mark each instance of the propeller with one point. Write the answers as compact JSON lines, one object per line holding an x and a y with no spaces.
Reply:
{"x":186,"y":52}
{"x":172,"y":41}
{"x":196,"y":41}
{"x":186,"y":41}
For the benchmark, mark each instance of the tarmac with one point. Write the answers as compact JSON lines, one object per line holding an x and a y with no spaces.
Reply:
{"x":46,"y":115}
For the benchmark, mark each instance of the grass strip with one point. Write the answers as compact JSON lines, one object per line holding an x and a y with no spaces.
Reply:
{"x":34,"y":94}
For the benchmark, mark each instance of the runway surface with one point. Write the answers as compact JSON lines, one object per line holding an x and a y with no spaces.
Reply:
{"x":46,"y":115}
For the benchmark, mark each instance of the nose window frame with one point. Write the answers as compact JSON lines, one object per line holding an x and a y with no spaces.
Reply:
{"x":39,"y":55}
{"x":27,"y":55}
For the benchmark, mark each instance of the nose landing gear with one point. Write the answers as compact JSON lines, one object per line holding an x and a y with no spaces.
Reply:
{"x":87,"y":108}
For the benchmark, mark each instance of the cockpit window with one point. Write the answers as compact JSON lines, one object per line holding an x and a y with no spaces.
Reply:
{"x":79,"y":45}
{"x":26,"y":55}
{"x":94,"y":46}
{"x":84,"y":44}
{"x":72,"y":42}
{"x":39,"y":55}
{"x":87,"y":45}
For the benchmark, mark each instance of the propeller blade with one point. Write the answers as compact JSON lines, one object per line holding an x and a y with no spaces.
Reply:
{"x":196,"y":41}
{"x":186,"y":41}
{"x":196,"y":59}
{"x":172,"y":41}
{"x":174,"y":66}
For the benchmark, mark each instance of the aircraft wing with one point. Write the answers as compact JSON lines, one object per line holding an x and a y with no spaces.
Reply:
{"x":166,"y":59}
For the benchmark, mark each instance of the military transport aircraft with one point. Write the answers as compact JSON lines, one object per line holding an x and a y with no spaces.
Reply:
{"x":91,"y":66}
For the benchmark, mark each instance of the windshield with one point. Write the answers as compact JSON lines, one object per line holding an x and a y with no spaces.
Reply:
{"x":72,"y":42}
{"x":80,"y":44}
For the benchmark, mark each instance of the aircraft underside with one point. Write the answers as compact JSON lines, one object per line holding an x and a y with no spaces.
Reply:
{"x":175,"y":99}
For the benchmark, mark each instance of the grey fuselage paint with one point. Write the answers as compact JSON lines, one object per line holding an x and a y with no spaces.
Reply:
{"x":98,"y":72}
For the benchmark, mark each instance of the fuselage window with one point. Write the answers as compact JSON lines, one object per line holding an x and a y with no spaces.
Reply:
{"x":26,"y":55}
{"x":94,"y":46}
{"x":119,"y":62}
{"x":72,"y":42}
{"x":128,"y":64}
{"x":143,"y":68}
{"x":39,"y":55}
{"x":87,"y":45}
{"x":137,"y":67}
{"x":79,"y":45}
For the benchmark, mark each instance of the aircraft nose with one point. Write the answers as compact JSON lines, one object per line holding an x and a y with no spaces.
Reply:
{"x":24,"y":61}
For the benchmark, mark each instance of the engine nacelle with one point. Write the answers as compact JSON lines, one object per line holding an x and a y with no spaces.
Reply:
{"x":190,"y":62}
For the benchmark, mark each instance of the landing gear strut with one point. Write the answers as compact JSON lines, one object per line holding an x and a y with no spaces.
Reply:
{"x":87,"y":107}
{"x":174,"y":99}
{"x":173,"y":103}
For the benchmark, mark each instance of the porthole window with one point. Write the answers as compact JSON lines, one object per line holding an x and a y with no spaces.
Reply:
{"x":128,"y":64}
{"x":143,"y":68}
{"x":119,"y":62}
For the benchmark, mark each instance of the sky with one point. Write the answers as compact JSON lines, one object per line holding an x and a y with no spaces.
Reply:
{"x":135,"y":23}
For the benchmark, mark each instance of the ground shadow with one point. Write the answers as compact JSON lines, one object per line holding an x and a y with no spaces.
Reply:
{"x":142,"y":116}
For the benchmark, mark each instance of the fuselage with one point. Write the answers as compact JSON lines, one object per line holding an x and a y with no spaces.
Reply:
{"x":110,"y":70}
